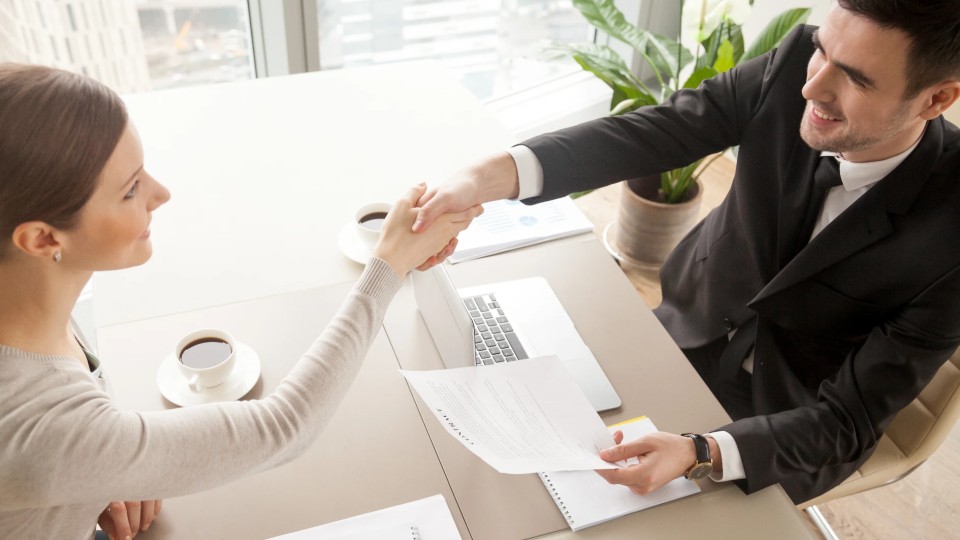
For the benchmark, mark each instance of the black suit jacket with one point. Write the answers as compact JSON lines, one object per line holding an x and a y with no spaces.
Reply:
{"x":852,"y":328}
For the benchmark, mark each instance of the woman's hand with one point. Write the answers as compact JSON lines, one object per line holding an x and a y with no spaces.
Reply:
{"x":123,"y":520}
{"x":405,"y":250}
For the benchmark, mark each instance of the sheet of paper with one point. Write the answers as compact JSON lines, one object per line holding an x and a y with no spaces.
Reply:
{"x":519,"y":417}
{"x":585,"y":499}
{"x":430,"y":518}
{"x":507,"y":225}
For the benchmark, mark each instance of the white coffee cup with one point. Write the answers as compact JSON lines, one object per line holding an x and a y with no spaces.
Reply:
{"x":368,"y":221}
{"x":206,"y":358}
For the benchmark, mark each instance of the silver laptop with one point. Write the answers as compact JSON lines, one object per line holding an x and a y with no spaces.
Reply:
{"x":507,"y":321}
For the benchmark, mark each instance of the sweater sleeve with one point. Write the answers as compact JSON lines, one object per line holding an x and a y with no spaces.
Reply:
{"x":156,"y":455}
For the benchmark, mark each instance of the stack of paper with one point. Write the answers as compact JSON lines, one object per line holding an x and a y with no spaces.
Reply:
{"x":519,"y":417}
{"x":531,"y":416}
{"x":507,"y":225}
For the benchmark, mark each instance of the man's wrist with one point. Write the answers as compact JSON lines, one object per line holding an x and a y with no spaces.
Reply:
{"x":715,"y":454}
{"x":499,"y":178}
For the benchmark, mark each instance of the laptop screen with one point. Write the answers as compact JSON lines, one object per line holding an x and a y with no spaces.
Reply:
{"x":446,"y":317}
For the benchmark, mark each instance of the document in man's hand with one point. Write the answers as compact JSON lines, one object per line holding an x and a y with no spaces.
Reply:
{"x":585,"y":499}
{"x":506,"y":225}
{"x":519,"y":417}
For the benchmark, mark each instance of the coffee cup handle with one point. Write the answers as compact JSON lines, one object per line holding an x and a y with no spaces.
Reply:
{"x":195,"y":384}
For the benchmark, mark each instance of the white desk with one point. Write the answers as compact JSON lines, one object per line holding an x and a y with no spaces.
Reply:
{"x":263,"y":175}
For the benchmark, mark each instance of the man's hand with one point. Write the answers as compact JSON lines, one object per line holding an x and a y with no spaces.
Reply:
{"x":662,"y":457}
{"x":405,"y":250}
{"x":123,"y":520}
{"x":489,"y":180}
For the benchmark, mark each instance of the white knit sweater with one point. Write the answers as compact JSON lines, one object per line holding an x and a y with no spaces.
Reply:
{"x":66,"y":451}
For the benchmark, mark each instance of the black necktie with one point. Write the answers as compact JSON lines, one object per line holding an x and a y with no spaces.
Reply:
{"x":826,"y":176}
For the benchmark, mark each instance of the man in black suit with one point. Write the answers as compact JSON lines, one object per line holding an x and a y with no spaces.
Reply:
{"x":813,"y":314}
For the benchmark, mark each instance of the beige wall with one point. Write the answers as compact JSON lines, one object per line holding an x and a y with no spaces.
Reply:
{"x":953,"y":114}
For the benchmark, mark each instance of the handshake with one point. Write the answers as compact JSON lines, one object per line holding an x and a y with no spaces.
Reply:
{"x":421,"y":229}
{"x":390,"y":230}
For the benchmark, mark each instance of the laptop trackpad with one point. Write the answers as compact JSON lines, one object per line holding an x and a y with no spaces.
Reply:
{"x":552,"y":336}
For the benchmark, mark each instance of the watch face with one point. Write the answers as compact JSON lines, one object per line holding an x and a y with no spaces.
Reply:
{"x":700,"y":471}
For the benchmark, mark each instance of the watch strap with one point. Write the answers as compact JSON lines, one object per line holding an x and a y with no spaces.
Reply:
{"x":701,"y":446}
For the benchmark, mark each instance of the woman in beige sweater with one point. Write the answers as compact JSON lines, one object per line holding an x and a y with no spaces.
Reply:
{"x":74,"y":199}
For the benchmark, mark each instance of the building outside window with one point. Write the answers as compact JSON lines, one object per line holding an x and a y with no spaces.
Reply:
{"x":99,"y":38}
{"x":191,"y":42}
{"x":494,"y":47}
{"x":132,"y":46}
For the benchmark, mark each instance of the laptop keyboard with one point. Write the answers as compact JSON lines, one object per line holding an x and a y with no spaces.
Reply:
{"x":493,"y":336}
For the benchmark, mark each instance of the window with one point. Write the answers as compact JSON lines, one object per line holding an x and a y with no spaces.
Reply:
{"x":132,"y":45}
{"x":195,"y":42}
{"x":494,"y":47}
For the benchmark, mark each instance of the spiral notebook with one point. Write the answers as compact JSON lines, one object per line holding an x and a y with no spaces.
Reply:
{"x":585,"y":499}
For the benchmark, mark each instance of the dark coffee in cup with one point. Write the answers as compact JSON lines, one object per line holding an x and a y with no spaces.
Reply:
{"x":205,"y":352}
{"x":373,"y":221}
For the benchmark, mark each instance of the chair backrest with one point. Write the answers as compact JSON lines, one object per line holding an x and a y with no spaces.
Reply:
{"x":913,"y":435}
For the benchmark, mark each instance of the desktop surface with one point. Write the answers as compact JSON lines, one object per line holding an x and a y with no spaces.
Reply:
{"x":296,"y":154}
{"x":648,"y":371}
{"x":373,"y":453}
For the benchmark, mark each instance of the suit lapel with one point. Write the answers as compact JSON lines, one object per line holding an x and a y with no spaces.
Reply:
{"x":794,"y":199}
{"x":866,"y":221}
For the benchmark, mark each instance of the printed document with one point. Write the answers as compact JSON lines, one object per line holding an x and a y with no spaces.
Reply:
{"x":519,"y":417}
{"x":507,"y":224}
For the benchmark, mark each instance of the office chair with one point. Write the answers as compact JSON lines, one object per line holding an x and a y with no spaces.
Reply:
{"x":913,"y":435}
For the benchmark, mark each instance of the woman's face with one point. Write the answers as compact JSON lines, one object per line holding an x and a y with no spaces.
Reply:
{"x":114,"y":227}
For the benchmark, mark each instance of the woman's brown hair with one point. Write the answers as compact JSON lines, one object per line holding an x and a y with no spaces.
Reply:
{"x":57,"y":131}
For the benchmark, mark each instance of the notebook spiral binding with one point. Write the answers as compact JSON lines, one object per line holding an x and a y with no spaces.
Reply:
{"x":548,"y":483}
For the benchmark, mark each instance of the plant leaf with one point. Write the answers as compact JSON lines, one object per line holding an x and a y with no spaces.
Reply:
{"x":675,"y":183}
{"x":605,"y":16}
{"x":725,"y":59}
{"x":606,"y":65}
{"x":699,"y":76}
{"x":776,"y":30}
{"x":736,"y":38}
{"x":665,"y":56}
{"x":630,"y":105}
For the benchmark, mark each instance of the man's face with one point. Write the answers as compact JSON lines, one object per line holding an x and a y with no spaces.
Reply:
{"x":856,"y":80}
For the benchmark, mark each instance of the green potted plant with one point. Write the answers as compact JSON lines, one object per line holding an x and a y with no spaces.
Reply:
{"x":711,"y":42}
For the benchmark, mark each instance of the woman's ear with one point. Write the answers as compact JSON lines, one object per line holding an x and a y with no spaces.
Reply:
{"x":37,"y":239}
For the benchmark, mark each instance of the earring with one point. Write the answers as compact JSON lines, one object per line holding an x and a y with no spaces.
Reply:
{"x":56,"y":257}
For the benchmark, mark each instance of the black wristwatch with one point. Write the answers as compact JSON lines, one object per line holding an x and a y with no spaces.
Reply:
{"x":704,"y":465}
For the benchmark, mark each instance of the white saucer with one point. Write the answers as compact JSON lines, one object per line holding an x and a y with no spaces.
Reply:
{"x":352,"y":246}
{"x":173,"y":385}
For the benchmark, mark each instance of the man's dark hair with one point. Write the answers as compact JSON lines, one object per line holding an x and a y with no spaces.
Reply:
{"x":933,"y":27}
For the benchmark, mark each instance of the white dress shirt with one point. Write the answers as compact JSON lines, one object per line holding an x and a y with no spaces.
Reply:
{"x":856,"y":179}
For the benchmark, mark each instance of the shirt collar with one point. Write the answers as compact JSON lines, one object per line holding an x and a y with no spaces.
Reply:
{"x":860,"y":175}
